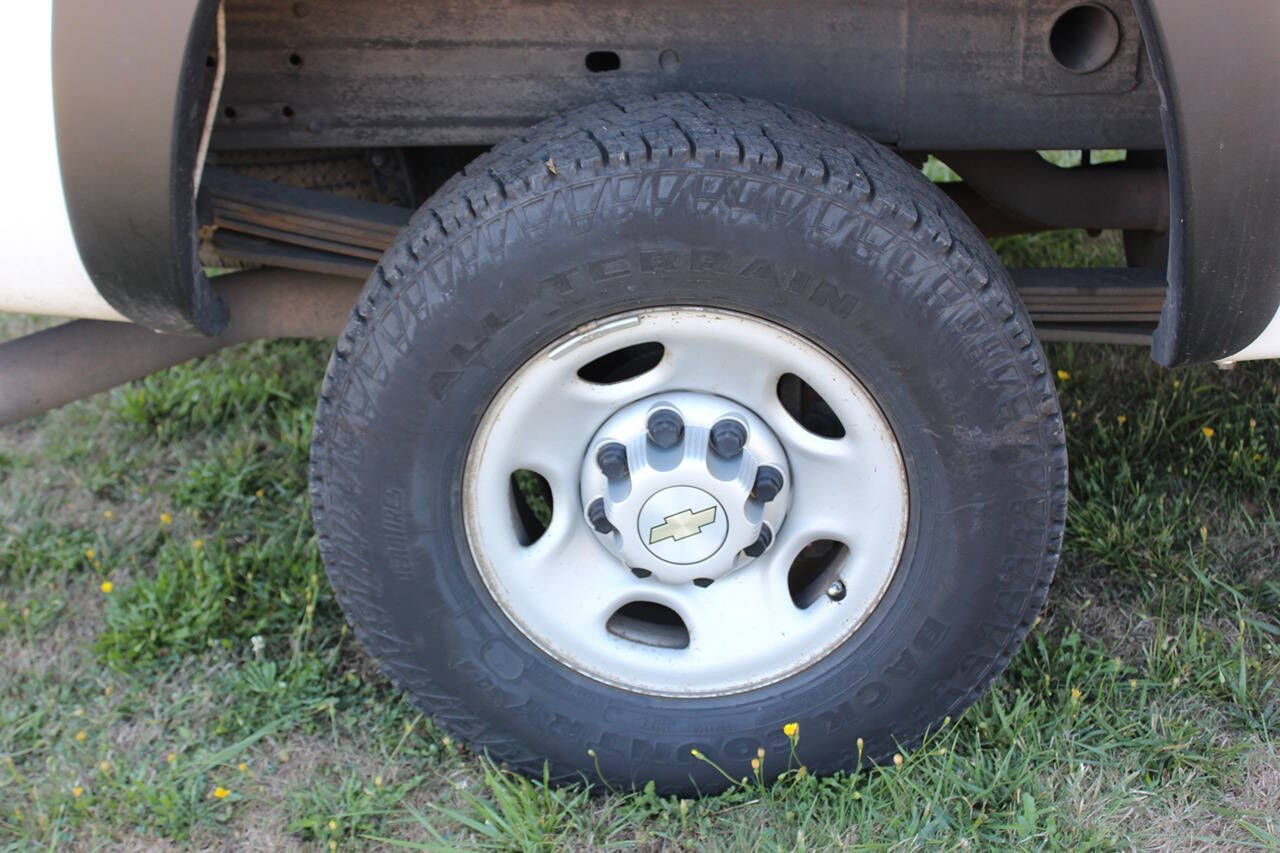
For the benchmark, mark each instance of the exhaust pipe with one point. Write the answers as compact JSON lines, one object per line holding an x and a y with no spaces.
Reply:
{"x":48,"y":369}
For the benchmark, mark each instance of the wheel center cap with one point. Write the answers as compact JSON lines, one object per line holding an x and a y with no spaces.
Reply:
{"x":682,"y":525}
{"x":685,"y":487}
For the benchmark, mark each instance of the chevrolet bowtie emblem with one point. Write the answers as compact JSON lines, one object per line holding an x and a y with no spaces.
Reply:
{"x":682,"y":525}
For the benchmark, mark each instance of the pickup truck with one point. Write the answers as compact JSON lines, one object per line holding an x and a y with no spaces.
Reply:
{"x":671,"y":402}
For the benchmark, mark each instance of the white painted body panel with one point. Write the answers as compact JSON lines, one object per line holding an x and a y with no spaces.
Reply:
{"x":1266,"y":345}
{"x":40,"y":267}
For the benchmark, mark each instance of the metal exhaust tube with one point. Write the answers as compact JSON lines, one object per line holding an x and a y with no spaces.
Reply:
{"x":48,"y":369}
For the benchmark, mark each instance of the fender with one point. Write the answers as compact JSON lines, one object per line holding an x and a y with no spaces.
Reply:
{"x":129,"y":99}
{"x":1217,"y":70}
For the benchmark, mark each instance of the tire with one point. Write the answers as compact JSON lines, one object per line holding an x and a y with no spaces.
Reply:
{"x":768,"y":211}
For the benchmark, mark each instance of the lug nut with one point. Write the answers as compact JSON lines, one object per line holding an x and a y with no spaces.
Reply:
{"x":595,"y":514}
{"x":612,"y":459}
{"x":665,"y":428}
{"x":727,"y":437}
{"x":756,"y":548}
{"x":768,"y":484}
{"x":836,"y":591}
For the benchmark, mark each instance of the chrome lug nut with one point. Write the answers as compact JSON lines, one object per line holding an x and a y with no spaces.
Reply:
{"x":612,"y":459}
{"x":727,"y":437}
{"x":765,"y":539}
{"x":666,"y":428}
{"x":836,"y":591}
{"x":595,"y":514}
{"x":768,"y":484}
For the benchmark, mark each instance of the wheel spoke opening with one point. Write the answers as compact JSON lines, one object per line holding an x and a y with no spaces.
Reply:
{"x":815,"y":571}
{"x":622,"y":364}
{"x":650,"y":624}
{"x":807,"y":408}
{"x":531,"y":505}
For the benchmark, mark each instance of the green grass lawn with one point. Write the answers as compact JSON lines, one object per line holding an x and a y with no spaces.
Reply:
{"x":174,"y":670}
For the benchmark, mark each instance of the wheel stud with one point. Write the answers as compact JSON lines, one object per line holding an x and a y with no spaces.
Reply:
{"x":756,"y":548}
{"x":666,"y":428}
{"x":612,"y":459}
{"x":727,"y":437}
{"x":836,"y":591}
{"x":768,"y":484}
{"x":595,"y":514}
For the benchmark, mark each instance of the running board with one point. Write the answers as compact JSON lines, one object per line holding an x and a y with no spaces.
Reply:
{"x":260,"y":223}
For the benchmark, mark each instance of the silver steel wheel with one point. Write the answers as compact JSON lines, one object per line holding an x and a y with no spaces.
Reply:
{"x":705,"y":537}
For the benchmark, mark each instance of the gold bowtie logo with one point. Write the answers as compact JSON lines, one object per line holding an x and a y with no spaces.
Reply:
{"x":682,"y":525}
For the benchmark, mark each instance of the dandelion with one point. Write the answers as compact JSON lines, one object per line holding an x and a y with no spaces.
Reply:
{"x":197,"y":544}
{"x":166,"y":519}
{"x":77,"y":791}
{"x":1133,"y":684}
{"x":221,"y":793}
{"x":81,"y":736}
{"x":1121,"y":419}
{"x":1075,"y":694}
{"x":1063,"y":375}
{"x":1208,"y":432}
{"x":108,"y":514}
{"x":242,"y":767}
{"x":171,"y":757}
{"x":791,"y":730}
{"x":897,"y":759}
{"x":333,"y":826}
{"x":259,"y":494}
{"x":106,"y":587}
{"x":755,"y":764}
{"x":695,"y":753}
{"x":90,"y":553}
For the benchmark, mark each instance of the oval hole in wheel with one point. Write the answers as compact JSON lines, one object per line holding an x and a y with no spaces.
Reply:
{"x":815,"y":568}
{"x":649,"y":623}
{"x":531,"y":505}
{"x":807,"y":407}
{"x":623,"y":364}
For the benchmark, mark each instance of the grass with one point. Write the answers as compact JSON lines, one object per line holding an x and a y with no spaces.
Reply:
{"x":174,"y":670}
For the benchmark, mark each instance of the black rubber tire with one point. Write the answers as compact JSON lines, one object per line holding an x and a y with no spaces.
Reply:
{"x":706,"y":200}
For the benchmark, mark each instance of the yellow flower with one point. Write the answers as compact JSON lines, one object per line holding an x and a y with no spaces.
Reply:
{"x":165,"y":518}
{"x":242,"y":767}
{"x":755,"y":764}
{"x":197,"y":544}
{"x":1063,"y":375}
{"x":89,"y":552}
{"x":108,"y":514}
{"x":897,"y":759}
{"x":104,"y":767}
{"x":1075,"y":694}
{"x":1208,"y":432}
{"x":695,"y":753}
{"x":171,"y":757}
{"x":259,"y":494}
{"x":77,"y":791}
{"x":221,"y":793}
{"x":1120,"y":419}
{"x":333,"y":826}
{"x":791,"y":729}
{"x":1133,"y":684}
{"x":81,"y":736}
{"x":106,"y":587}
{"x":377,"y":781}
